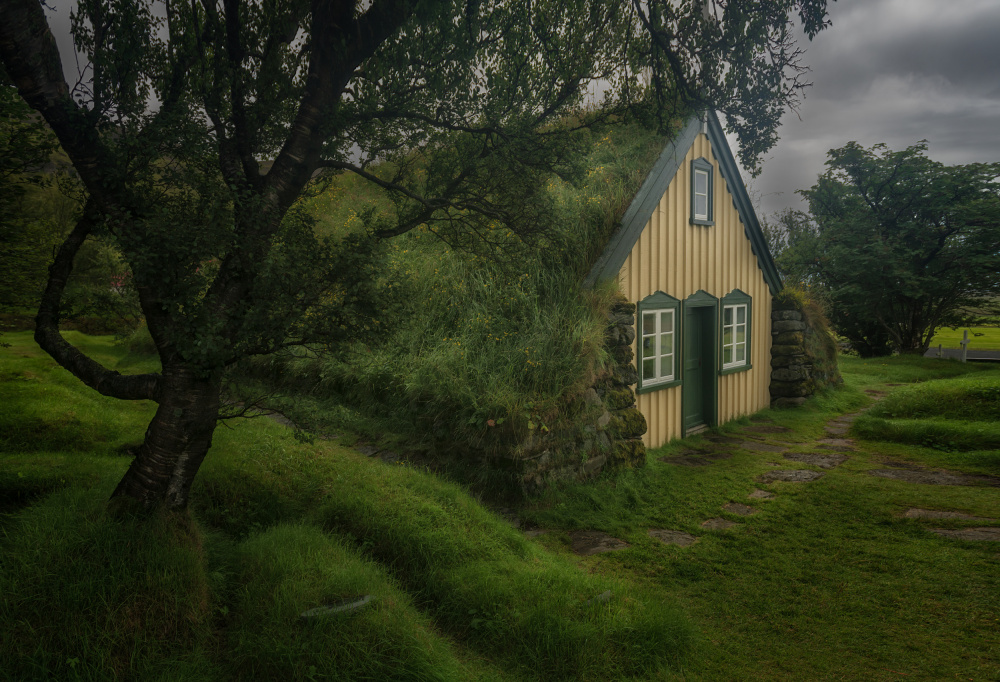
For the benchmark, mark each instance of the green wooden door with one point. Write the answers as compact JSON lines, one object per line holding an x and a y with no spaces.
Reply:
{"x":693,"y":398}
{"x":698,"y":392}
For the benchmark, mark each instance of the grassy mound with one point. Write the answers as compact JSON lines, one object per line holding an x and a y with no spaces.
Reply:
{"x":292,"y":569}
{"x":485,"y":583}
{"x":279,"y":527}
{"x":952,"y":414}
{"x":84,"y":595}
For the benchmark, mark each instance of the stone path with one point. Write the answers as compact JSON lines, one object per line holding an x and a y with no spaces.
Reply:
{"x":590,"y":542}
{"x":836,"y":446}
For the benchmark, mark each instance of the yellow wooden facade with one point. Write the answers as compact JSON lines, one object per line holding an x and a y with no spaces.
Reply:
{"x":679,"y":258}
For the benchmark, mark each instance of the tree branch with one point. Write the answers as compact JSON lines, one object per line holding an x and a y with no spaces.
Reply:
{"x":97,"y":376}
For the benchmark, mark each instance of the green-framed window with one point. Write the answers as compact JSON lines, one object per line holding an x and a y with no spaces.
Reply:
{"x":658,"y":342}
{"x":702,"y":187}
{"x":735,"y":328}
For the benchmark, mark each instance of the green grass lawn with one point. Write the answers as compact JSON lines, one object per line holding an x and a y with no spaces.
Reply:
{"x":980,"y":338}
{"x":826,"y":581}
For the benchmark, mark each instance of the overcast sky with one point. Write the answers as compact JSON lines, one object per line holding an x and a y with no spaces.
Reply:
{"x":892,"y":71}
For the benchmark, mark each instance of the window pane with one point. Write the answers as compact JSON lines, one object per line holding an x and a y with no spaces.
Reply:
{"x":701,"y":205}
{"x":648,"y":369}
{"x":667,"y":321}
{"x":741,"y":334}
{"x":741,"y":354}
{"x":648,"y":323}
{"x":666,"y":344}
{"x":741,"y":314}
{"x":727,"y":336}
{"x":667,"y":365}
{"x":648,"y":346}
{"x":727,"y":355}
{"x":700,"y":182}
{"x":727,"y":315}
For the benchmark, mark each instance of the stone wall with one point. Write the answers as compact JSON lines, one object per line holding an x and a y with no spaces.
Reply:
{"x":601,"y":429}
{"x":803,"y":355}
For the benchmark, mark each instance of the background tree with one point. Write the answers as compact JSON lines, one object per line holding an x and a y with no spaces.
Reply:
{"x":26,"y":145}
{"x":458,"y":109}
{"x":901,"y":245}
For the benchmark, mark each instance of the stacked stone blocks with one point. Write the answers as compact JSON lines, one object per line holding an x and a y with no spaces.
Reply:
{"x":606,"y":429}
{"x":796,"y":366}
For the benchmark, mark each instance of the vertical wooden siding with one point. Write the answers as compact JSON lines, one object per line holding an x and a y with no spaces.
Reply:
{"x":678,"y":258}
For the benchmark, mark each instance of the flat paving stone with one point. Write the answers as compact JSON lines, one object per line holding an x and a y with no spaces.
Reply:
{"x":896,"y":464}
{"x":817,"y":459}
{"x":535,"y":532}
{"x":718,"y":523}
{"x":935,"y":477}
{"x":761,"y":447}
{"x":790,"y":475}
{"x":759,"y":494}
{"x":722,"y":439}
{"x":766,"y":428}
{"x":590,"y":542}
{"x":840,"y":443}
{"x":987,"y":534}
{"x":672,"y":537}
{"x":739,"y":509}
{"x":917,"y":513}
{"x":837,"y":430}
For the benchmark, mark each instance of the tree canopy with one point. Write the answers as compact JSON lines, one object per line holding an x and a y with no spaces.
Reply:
{"x":900,"y":245}
{"x":197,"y":126}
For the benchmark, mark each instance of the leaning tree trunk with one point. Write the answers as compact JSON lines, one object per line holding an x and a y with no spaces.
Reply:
{"x":176,"y":442}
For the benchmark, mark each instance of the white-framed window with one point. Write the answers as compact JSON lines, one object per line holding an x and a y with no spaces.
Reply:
{"x":657,"y":347}
{"x":700,"y":194}
{"x":734,"y":335}
{"x":702,"y":174}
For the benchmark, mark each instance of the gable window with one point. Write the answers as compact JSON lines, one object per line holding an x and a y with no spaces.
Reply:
{"x":736,"y":316}
{"x":658,"y":342}
{"x":702,"y":174}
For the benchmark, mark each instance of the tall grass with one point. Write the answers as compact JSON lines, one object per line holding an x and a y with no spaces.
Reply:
{"x":491,"y":343}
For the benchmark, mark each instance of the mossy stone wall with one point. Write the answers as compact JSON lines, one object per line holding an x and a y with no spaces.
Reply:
{"x":603,"y":428}
{"x":803,"y":353}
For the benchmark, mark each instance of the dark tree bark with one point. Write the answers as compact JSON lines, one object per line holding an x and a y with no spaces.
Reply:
{"x":176,"y":441}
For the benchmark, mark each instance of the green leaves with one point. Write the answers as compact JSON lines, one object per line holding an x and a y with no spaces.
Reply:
{"x":901,"y":244}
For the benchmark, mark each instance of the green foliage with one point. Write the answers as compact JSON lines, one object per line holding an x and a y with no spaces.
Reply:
{"x":28,"y":232}
{"x":479,"y":352}
{"x":900,"y":244}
